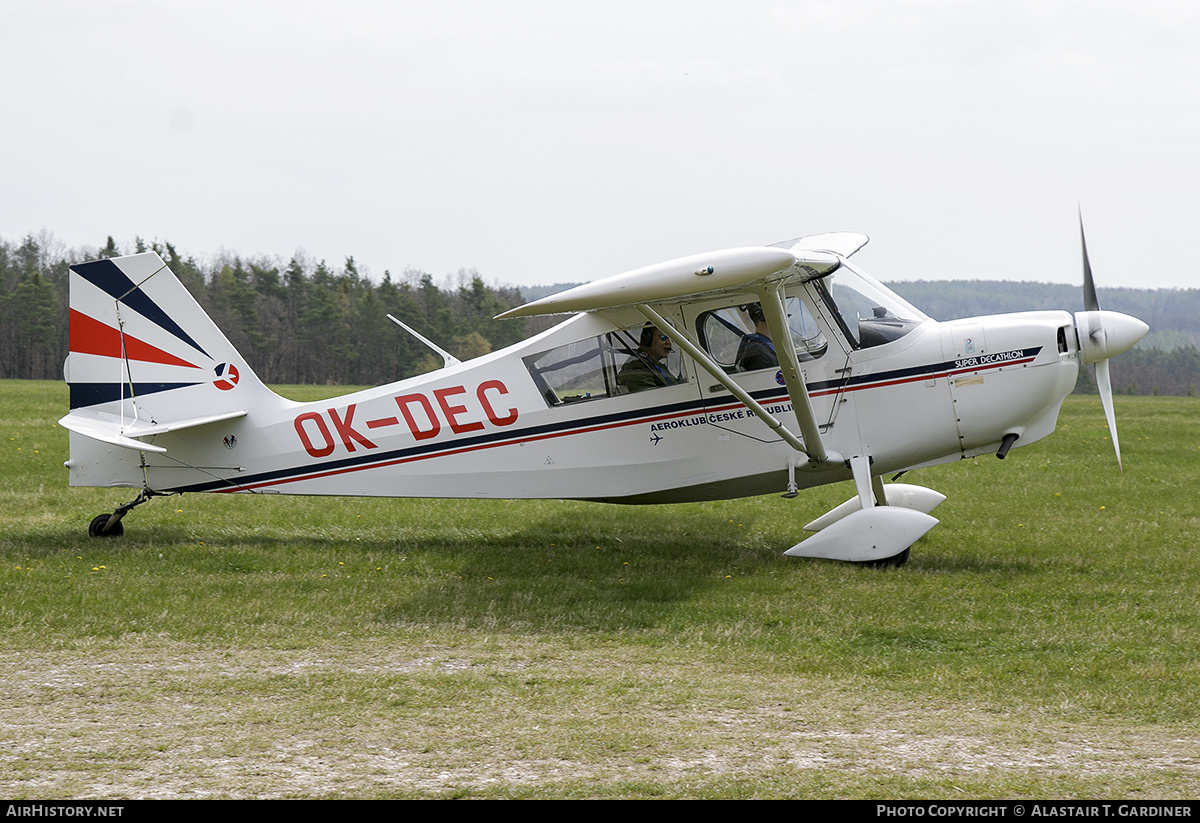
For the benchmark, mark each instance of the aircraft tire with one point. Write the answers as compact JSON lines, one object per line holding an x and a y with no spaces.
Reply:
{"x":96,"y":527}
{"x":893,"y":562}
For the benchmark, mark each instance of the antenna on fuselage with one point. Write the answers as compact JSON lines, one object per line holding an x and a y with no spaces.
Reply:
{"x":447,"y":357}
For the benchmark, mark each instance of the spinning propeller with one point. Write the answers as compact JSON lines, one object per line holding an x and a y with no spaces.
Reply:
{"x":1103,"y":334}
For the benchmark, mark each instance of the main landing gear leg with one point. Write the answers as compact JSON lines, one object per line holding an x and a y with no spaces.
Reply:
{"x":109,"y":525}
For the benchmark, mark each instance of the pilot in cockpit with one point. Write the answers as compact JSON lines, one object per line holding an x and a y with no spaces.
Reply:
{"x":647,"y":369}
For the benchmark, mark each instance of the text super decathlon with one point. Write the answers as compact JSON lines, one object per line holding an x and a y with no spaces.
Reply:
{"x":734,"y":373}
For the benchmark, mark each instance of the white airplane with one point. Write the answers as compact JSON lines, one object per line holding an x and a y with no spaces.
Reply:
{"x":728,"y":374}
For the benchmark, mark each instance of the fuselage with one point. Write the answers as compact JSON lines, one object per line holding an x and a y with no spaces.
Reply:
{"x":549,"y":418}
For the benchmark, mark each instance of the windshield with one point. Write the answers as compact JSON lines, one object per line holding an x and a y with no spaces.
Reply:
{"x":868,"y":312}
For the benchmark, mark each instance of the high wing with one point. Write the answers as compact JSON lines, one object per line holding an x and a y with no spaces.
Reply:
{"x":761,"y":270}
{"x":686,"y":278}
{"x":841,"y":243}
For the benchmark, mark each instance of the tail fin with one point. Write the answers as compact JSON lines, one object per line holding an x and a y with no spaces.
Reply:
{"x":145,"y":359}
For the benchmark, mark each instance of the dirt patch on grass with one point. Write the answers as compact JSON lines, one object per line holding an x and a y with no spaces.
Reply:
{"x":163,"y":720}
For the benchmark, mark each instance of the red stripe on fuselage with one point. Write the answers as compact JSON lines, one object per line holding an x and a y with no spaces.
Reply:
{"x":584,"y":428}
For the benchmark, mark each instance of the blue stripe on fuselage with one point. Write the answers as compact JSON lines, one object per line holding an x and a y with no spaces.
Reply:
{"x":574,"y":425}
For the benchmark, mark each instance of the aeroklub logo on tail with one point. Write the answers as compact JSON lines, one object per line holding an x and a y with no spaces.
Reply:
{"x":227,"y":376}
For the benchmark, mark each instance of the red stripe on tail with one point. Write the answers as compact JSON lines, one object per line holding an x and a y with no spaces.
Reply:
{"x":90,"y":336}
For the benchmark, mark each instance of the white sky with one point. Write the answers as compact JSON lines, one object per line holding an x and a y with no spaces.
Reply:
{"x":541,"y":142}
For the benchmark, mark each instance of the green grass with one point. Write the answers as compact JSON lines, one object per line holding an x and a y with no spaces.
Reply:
{"x":1043,"y":641}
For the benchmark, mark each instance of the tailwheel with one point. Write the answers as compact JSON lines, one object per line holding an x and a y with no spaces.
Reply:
{"x":99,"y":527}
{"x":109,"y":525}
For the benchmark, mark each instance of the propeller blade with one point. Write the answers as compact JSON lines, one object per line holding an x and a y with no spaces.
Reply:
{"x":1104,"y":384}
{"x":1090,"y":303}
{"x":1103,"y":334}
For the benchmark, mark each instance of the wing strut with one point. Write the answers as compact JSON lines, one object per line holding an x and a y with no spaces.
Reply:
{"x":813,"y":448}
{"x":793,"y":378}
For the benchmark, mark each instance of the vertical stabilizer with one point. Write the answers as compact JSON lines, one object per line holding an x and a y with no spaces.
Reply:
{"x":141,"y":346}
{"x":144,"y":359}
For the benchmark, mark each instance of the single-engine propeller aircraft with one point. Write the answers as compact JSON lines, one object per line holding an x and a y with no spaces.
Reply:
{"x":728,"y":374}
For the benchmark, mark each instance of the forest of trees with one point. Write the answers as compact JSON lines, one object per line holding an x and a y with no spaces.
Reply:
{"x":1166,"y":362}
{"x":306,"y":322}
{"x":299,"y":322}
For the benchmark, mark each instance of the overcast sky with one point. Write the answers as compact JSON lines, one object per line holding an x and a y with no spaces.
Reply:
{"x":541,"y":142}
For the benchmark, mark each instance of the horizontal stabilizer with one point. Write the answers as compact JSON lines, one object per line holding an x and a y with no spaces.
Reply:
{"x":109,"y":428}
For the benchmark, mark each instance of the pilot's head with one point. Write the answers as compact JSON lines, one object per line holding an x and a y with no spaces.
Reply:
{"x":654,"y":343}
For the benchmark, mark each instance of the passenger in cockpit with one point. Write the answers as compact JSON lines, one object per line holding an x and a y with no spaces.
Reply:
{"x":757,"y":350}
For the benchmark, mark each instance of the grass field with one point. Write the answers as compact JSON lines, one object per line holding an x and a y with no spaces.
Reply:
{"x":1043,"y":641}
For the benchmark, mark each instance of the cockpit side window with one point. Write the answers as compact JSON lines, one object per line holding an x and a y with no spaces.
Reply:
{"x":728,"y":334}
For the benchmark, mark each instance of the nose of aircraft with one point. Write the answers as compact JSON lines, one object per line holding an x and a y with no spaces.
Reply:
{"x":1105,"y":334}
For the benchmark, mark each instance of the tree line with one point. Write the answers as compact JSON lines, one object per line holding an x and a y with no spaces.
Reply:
{"x":308,"y":322}
{"x":1166,"y":362}
{"x":294,"y":322}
